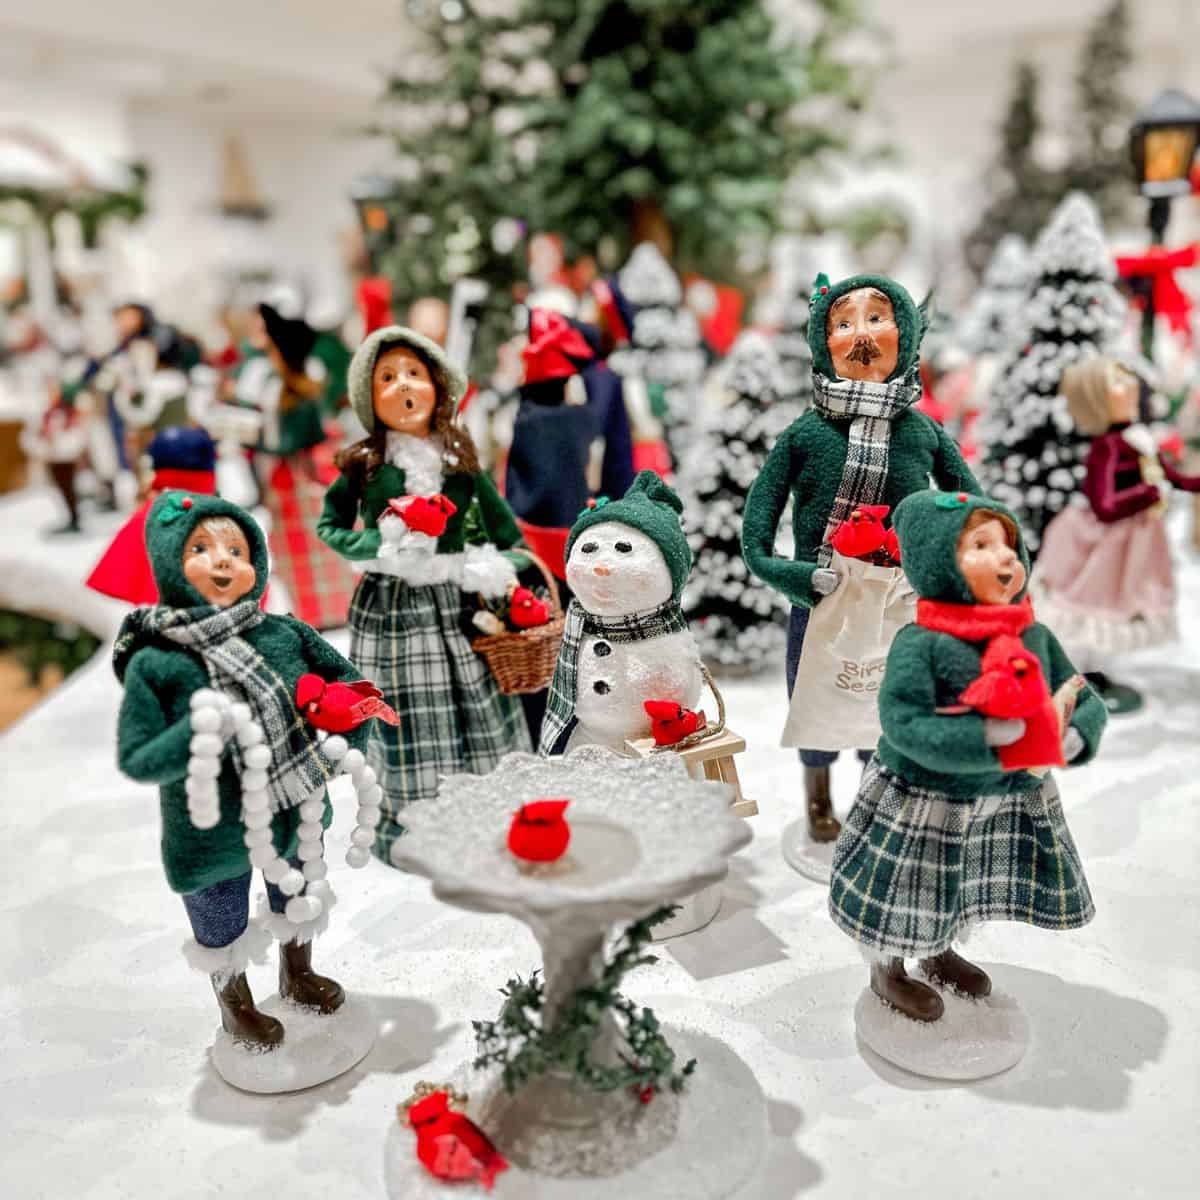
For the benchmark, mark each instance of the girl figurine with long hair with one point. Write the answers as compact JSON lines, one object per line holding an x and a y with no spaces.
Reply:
{"x":432,"y":536}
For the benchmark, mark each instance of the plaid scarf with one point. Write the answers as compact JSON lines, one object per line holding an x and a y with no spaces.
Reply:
{"x":633,"y":627}
{"x":298,"y":767}
{"x":871,"y":408}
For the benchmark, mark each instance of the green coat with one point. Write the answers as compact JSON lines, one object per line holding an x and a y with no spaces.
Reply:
{"x":481,"y":511}
{"x":806,"y":464}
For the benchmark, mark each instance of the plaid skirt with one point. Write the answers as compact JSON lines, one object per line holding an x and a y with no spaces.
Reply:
{"x":409,"y":642}
{"x":913,"y":867}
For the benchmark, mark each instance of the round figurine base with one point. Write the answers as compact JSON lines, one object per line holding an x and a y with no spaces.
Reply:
{"x":972,"y":1040}
{"x":695,"y":911}
{"x":813,"y":860}
{"x":315,"y":1048}
{"x":705,"y":1144}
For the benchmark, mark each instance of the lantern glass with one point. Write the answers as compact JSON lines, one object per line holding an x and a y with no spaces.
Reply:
{"x":1169,"y":152}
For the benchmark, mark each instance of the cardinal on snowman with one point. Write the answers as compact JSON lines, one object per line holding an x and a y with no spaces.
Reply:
{"x":626,"y":641}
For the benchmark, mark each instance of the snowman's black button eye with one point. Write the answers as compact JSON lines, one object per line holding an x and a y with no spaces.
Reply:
{"x":624,"y":548}
{"x":601,"y":649}
{"x":601,"y":688}
{"x":588,"y":548}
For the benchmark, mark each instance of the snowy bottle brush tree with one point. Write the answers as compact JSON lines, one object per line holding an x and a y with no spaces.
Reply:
{"x":795,"y":358}
{"x":1034,"y":459}
{"x":988,"y":325}
{"x":738,"y":622}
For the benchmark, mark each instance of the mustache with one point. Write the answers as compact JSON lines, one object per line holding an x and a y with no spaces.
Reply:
{"x":864,"y":350}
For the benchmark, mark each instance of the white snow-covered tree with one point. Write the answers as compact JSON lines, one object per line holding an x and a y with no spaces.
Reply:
{"x":1034,"y":458}
{"x":738,"y":622}
{"x":795,"y":358}
{"x":987,"y":324}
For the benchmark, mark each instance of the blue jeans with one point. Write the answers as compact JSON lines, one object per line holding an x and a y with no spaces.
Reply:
{"x":795,"y":641}
{"x":220,"y":914}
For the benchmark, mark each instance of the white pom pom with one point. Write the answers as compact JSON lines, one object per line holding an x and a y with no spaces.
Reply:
{"x":257,"y":837}
{"x":255,"y":800}
{"x":257,"y":818}
{"x":302,"y":908}
{"x":206,"y":698}
{"x":274,"y":871}
{"x":292,"y":882}
{"x":260,"y":856}
{"x":204,"y":768}
{"x":335,"y":747}
{"x":320,"y":890}
{"x":363,"y":837}
{"x":312,"y":810}
{"x":371,"y":795}
{"x":206,"y":745}
{"x":257,"y":758}
{"x":254,"y":781}
{"x":316,"y":869}
{"x":310,"y":831}
{"x":368,"y":816}
{"x":207,"y":819}
{"x":365,"y":778}
{"x":206,"y":720}
{"x":357,"y":857}
{"x":309,"y":850}
{"x":241,"y":714}
{"x":354,"y":761}
{"x":198,"y":788}
{"x":250,"y":735}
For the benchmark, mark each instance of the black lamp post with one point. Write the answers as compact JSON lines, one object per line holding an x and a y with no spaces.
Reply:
{"x":374,"y":198}
{"x":1162,"y":144}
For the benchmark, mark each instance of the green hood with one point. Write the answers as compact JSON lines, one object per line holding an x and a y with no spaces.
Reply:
{"x":168,"y":526}
{"x":928,"y":525}
{"x":910,"y":319}
{"x":362,"y":366}
{"x":651,"y":506}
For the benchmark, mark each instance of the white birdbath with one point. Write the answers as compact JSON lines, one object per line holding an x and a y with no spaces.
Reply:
{"x":643,"y":834}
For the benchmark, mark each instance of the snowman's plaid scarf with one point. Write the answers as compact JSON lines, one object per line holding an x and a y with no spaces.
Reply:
{"x":633,"y":627}
{"x":298,"y":767}
{"x":871,"y":408}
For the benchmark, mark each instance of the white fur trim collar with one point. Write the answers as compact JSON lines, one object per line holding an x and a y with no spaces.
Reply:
{"x":420,"y":459}
{"x":1141,"y":439}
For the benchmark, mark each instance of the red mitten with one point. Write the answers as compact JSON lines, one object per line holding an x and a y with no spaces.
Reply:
{"x":862,"y":532}
{"x":526,"y":611}
{"x":341,"y":707}
{"x":451,"y":1146}
{"x":670,"y":722}
{"x":539,"y":832}
{"x":424,"y":514}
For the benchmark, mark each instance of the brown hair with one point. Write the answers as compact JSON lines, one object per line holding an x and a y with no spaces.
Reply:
{"x":981,"y":516}
{"x":220,"y":526}
{"x":1086,"y":385}
{"x":361,"y":461}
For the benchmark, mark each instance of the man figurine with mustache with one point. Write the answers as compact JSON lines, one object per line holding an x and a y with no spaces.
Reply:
{"x":863,"y":443}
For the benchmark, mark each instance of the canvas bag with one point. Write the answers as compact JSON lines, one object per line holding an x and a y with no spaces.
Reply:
{"x":835,"y":701}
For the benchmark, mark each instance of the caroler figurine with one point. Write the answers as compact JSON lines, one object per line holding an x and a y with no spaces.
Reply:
{"x":850,"y":459}
{"x":957,"y":818}
{"x":211,"y":715}
{"x":433,"y":531}
{"x":1105,"y":575}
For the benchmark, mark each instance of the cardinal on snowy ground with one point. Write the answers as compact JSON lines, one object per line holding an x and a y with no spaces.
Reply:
{"x":451,"y":1146}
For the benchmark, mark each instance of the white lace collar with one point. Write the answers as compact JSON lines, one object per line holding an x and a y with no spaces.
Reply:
{"x":420,"y":459}
{"x":1141,"y":439}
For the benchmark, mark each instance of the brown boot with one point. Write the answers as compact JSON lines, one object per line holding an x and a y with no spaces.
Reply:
{"x":915,"y":999}
{"x":952,"y":970}
{"x":300,"y":984}
{"x":240,"y":1018}
{"x":823,"y":826}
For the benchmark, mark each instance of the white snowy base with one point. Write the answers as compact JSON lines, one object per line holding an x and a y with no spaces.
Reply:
{"x":315,"y":1048}
{"x":694,"y":913}
{"x":813,"y":860}
{"x":720,"y":1129}
{"x":972,"y":1040}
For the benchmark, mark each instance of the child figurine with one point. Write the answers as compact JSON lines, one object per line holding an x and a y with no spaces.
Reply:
{"x":943,"y":834}
{"x":410,"y":608}
{"x":1105,"y":571}
{"x":210,"y":564}
{"x":861,"y":444}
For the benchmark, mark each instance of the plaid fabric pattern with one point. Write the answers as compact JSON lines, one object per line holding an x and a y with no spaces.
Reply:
{"x":319,"y":581}
{"x":871,"y":408}
{"x":633,"y":627}
{"x":912,"y":867}
{"x":298,"y":767}
{"x":410,"y":642}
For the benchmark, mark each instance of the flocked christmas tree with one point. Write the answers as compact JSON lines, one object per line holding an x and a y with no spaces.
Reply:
{"x":1035,"y":457}
{"x":987,"y":325}
{"x":738,"y":622}
{"x":795,"y":358}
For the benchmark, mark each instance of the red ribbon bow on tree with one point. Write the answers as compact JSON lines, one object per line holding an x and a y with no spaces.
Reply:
{"x":1159,"y":266}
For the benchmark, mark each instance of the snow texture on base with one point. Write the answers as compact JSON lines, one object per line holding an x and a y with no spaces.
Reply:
{"x":719,"y":1124}
{"x":315,"y":1048}
{"x":973,"y":1040}
{"x":694,"y":913}
{"x":813,"y":860}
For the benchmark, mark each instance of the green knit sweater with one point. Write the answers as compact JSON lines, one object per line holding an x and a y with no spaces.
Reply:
{"x":480,"y":508}
{"x":806,"y":463}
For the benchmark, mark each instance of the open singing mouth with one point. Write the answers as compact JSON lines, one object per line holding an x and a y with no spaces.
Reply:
{"x":1004,"y":578}
{"x":221,"y":582}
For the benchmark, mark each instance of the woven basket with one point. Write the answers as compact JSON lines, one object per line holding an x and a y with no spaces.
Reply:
{"x":524,"y":661}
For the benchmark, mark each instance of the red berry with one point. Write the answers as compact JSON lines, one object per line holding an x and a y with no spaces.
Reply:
{"x":962,"y":497}
{"x":186,"y":502}
{"x":824,"y":290}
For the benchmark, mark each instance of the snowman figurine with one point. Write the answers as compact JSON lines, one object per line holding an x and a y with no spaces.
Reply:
{"x":626,"y":640}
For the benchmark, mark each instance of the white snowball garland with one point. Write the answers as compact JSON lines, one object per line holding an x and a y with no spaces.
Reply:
{"x":216,"y":722}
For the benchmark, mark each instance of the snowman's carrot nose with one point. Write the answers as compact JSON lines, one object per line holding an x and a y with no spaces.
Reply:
{"x":601,"y":569}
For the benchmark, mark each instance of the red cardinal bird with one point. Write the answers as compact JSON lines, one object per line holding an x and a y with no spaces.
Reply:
{"x":451,"y":1146}
{"x":539,"y":832}
{"x":671,"y":722}
{"x":526,"y":611}
{"x":424,"y":514}
{"x":1011,"y":684}
{"x":891,"y":543}
{"x":341,"y":707}
{"x":862,"y":532}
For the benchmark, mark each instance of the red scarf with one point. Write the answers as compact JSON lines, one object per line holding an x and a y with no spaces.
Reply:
{"x":1011,"y":683}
